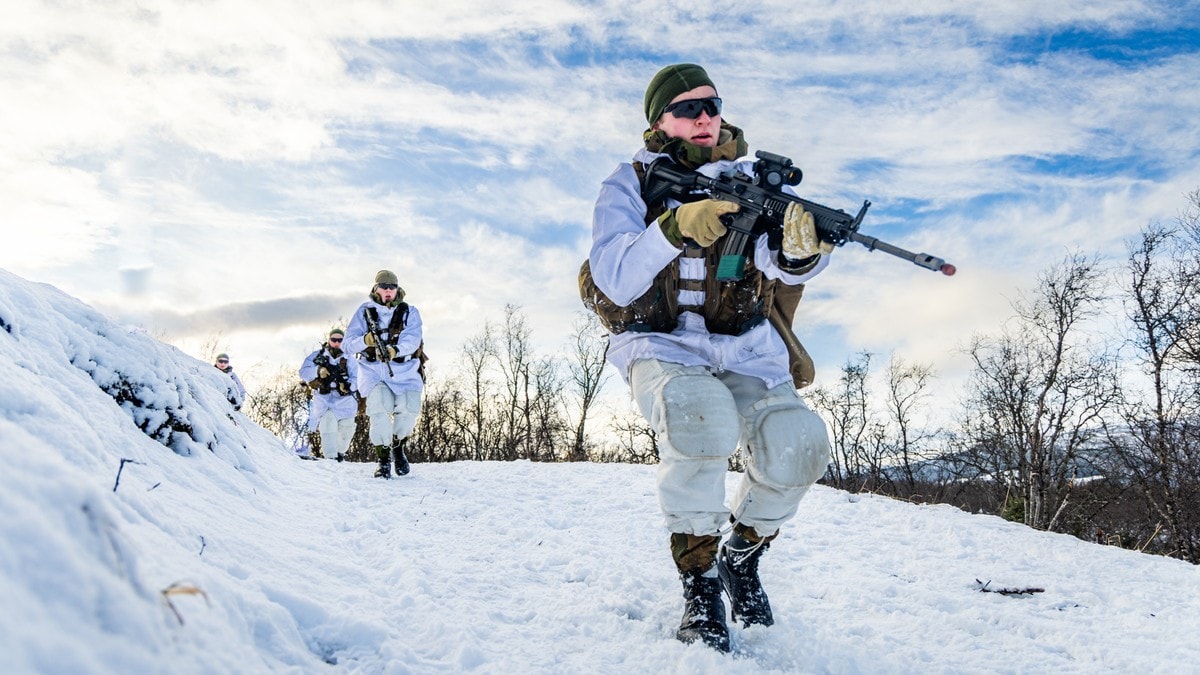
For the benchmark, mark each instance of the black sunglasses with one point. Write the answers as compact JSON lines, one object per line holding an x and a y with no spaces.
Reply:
{"x":388,"y":287}
{"x":333,"y":339}
{"x":691,"y":108}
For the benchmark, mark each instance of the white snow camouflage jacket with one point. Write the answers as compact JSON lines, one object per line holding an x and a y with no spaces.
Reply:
{"x":405,"y":376}
{"x":625,"y":257}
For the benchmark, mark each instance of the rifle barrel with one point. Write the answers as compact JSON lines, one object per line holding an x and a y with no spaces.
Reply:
{"x":925,"y":260}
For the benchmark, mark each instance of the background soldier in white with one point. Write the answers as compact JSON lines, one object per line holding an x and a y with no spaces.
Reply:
{"x":331,"y":373}
{"x":389,"y":374}
{"x":236,"y":393}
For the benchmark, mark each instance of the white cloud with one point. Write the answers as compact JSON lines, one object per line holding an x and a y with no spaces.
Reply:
{"x":177,"y":156}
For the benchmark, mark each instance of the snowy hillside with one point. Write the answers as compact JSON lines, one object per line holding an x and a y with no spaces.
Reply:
{"x":218,"y":551}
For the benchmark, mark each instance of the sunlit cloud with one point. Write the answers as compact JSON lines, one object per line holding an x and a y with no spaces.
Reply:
{"x":205,"y":167}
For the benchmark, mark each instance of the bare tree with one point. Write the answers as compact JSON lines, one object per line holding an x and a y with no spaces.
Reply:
{"x":515,"y":363}
{"x":589,"y":347}
{"x":1189,"y":222}
{"x":530,"y":415}
{"x":281,"y":407}
{"x":1160,"y":442}
{"x":855,"y":432}
{"x":479,"y":352}
{"x":907,"y":388}
{"x":440,"y":434}
{"x":636,"y":441}
{"x":548,"y":427}
{"x":1038,"y":391}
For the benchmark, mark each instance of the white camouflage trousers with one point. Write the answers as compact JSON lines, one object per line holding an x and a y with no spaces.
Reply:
{"x":392,"y":414}
{"x":700,"y":417}
{"x":336,"y":434}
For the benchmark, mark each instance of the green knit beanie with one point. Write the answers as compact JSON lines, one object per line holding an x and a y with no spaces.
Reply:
{"x":671,"y":82}
{"x":337,"y":331}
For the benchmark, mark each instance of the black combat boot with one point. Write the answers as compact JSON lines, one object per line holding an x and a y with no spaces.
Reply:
{"x":703,"y":610}
{"x":738,"y":566}
{"x":401,"y":459}
{"x":385,"y":465}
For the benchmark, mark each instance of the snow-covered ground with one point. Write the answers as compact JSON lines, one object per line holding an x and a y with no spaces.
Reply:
{"x":225,"y":553}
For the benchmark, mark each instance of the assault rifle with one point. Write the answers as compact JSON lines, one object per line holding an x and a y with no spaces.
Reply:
{"x":763,"y":203}
{"x":338,"y":377}
{"x":380,"y":347}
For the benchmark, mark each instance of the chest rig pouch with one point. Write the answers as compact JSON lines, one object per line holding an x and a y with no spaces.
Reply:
{"x":394,"y":328}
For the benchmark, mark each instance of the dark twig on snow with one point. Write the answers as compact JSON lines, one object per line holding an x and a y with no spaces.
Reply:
{"x":202,"y":544}
{"x":983,"y":588}
{"x":122,"y":468}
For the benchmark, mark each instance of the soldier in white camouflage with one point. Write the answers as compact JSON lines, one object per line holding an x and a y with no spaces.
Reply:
{"x":385,"y":334}
{"x":330,"y":372}
{"x":705,"y":363}
{"x":236,"y":392}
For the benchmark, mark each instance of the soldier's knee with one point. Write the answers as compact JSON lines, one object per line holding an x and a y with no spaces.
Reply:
{"x":698,"y":416}
{"x":791,"y":447}
{"x":380,"y":401}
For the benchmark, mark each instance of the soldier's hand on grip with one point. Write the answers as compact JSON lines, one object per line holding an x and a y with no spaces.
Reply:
{"x":701,"y":221}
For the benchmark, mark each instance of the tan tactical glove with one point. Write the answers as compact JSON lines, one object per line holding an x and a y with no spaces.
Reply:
{"x":369,"y":339}
{"x":800,"y":239}
{"x":322,"y":372}
{"x":701,"y":221}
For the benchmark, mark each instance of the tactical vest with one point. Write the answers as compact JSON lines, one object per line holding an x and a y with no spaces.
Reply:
{"x":394,"y":328}
{"x":730,"y":307}
{"x":339,"y":375}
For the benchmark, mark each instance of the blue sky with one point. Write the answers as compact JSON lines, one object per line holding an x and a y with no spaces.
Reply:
{"x":213,"y":171}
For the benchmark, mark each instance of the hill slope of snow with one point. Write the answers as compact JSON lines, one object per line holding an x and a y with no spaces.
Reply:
{"x":218,"y":550}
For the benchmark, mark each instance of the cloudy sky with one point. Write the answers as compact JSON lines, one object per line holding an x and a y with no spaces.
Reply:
{"x":238,"y":172}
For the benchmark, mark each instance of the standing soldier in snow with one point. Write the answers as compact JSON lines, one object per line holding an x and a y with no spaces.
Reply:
{"x":703,"y":361}
{"x":331,"y":374}
{"x":385,"y":334}
{"x":236,"y":393}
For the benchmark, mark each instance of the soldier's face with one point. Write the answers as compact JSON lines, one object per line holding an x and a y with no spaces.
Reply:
{"x":704,"y":130}
{"x":387,"y":294}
